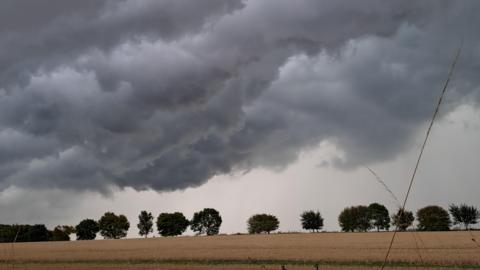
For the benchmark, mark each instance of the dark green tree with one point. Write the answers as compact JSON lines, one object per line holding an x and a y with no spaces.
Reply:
{"x":62,"y":233}
{"x":33,"y":233}
{"x":7,"y":233}
{"x":464,"y":214}
{"x":379,"y":216}
{"x":262,"y":223}
{"x":311,"y":220}
{"x":433,"y":218}
{"x":87,"y":229}
{"x":113,"y":226}
{"x":403,"y":219}
{"x":207,"y":221}
{"x":355,"y":218}
{"x":145,"y":223}
{"x":171,"y":224}
{"x":24,"y":233}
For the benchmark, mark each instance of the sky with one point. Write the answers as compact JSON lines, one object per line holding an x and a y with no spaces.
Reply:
{"x":248,"y":107}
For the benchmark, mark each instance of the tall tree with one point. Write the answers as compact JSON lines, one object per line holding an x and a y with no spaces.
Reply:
{"x":379,"y":216}
{"x":464,"y":214}
{"x":311,"y":220}
{"x":62,"y":233}
{"x":145,"y":223}
{"x":403,"y":219}
{"x":433,"y":218}
{"x":113,"y":226}
{"x":355,"y":218}
{"x":87,"y":229}
{"x":207,"y":221}
{"x":261,"y":223}
{"x":171,"y":224}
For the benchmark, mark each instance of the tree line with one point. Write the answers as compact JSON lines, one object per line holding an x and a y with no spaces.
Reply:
{"x":208,"y":221}
{"x":363,"y":218}
{"x":34,"y":233}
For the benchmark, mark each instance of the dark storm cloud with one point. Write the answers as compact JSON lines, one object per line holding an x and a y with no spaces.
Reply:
{"x":167,"y":94}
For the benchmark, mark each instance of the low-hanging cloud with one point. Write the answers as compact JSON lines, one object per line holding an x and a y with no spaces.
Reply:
{"x":166,"y":94}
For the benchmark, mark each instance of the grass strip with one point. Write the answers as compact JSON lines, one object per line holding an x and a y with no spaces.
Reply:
{"x":249,"y":262}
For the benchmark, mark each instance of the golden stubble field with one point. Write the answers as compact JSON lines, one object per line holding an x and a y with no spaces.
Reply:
{"x":439,"y":250}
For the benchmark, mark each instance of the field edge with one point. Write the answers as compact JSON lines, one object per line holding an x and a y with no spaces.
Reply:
{"x":246,"y":262}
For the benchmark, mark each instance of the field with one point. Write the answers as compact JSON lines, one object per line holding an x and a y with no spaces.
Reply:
{"x":442,"y":250}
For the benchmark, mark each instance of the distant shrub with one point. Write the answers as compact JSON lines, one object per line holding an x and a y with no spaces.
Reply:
{"x":171,"y":224}
{"x":355,"y":218}
{"x":112,"y":226}
{"x":262,"y":223}
{"x":87,"y":229}
{"x":207,"y":222}
{"x":433,"y":218}
{"x":311,"y":220}
{"x":403,"y":219}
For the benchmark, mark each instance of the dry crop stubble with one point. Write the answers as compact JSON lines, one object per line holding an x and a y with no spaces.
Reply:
{"x":231,"y":252}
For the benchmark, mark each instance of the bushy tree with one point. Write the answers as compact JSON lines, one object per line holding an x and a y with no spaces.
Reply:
{"x":145,"y":223}
{"x":62,"y":233}
{"x":311,"y":220}
{"x":33,"y":233}
{"x":355,"y":218}
{"x":403,"y":219}
{"x":7,"y":233}
{"x":379,"y":216}
{"x":171,"y":224}
{"x":261,"y":223}
{"x":207,"y":221}
{"x":113,"y":226}
{"x":87,"y":229}
{"x":464,"y":214}
{"x":24,"y":233}
{"x":433,"y":218}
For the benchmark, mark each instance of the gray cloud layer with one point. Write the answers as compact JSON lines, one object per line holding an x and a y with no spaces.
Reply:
{"x":166,"y":94}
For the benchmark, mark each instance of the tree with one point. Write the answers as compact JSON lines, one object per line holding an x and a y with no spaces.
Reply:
{"x":311,"y":220}
{"x":379,"y":216}
{"x":145,"y":223}
{"x":171,"y":224}
{"x":464,"y":214}
{"x":113,"y":226}
{"x":433,"y":218}
{"x":261,"y":223}
{"x":62,"y":233}
{"x":355,"y":218}
{"x":24,"y":233}
{"x":7,"y":233}
{"x":32,"y":233}
{"x":87,"y":229}
{"x":207,"y":221}
{"x":403,"y":219}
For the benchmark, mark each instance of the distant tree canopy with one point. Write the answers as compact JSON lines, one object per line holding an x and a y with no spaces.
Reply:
{"x":145,"y":223}
{"x":433,"y":218}
{"x":62,"y":233}
{"x":262,"y":223}
{"x":464,"y":214}
{"x":403,"y":219}
{"x":171,"y":224}
{"x":87,"y":229}
{"x":355,"y":218}
{"x":207,"y":221}
{"x":24,"y":233}
{"x":379,"y":216}
{"x":112,"y":226}
{"x":311,"y":220}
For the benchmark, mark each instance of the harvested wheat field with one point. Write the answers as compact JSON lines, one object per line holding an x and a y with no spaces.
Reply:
{"x":438,"y":250}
